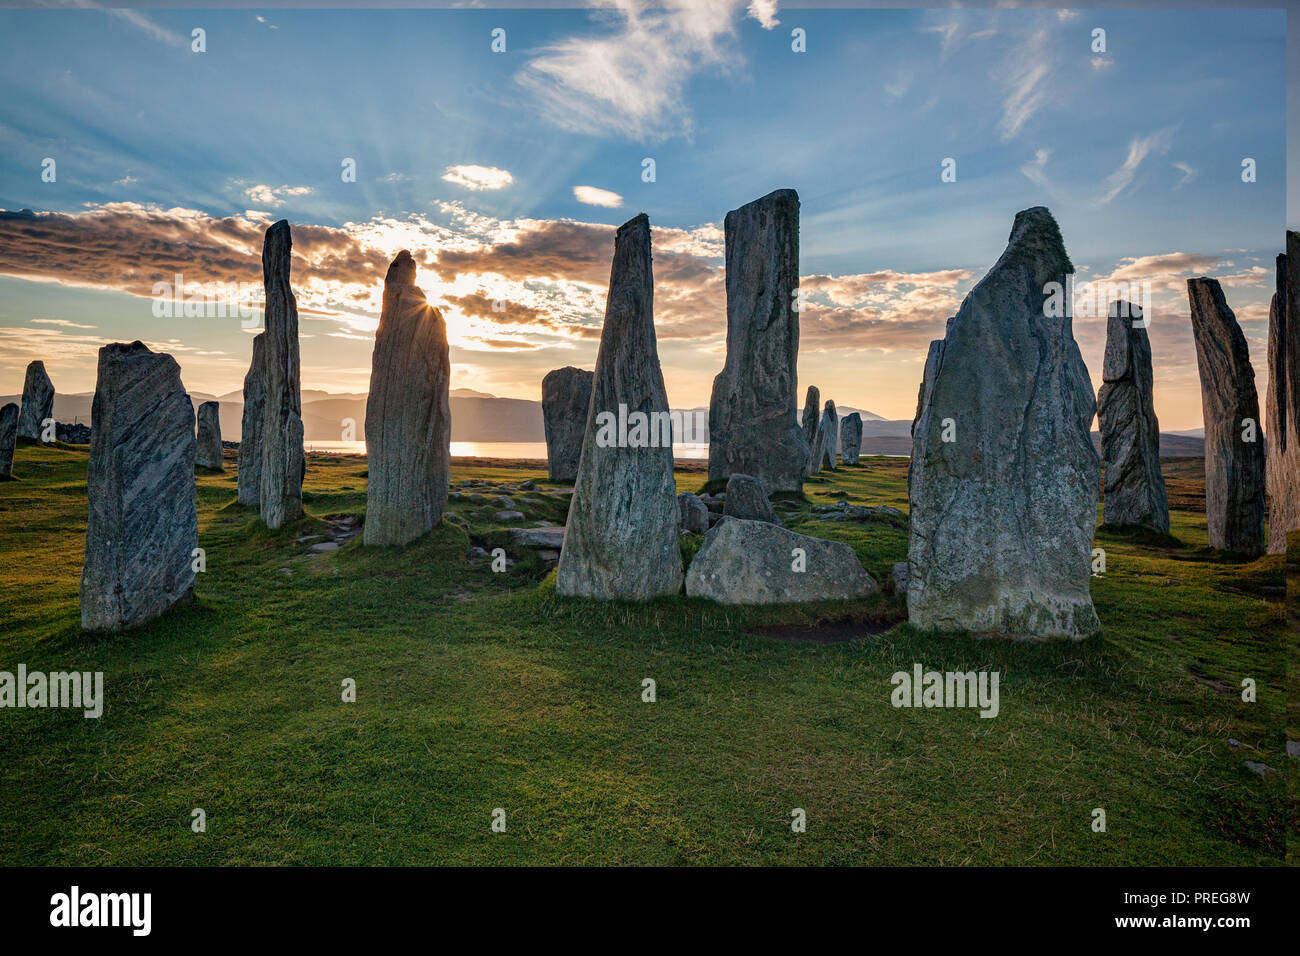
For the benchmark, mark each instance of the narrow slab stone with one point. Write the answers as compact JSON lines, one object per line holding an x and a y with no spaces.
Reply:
{"x":408,"y":414}
{"x":1234,"y":446}
{"x":621,"y":538}
{"x":566,"y":399}
{"x":1282,"y":404}
{"x":207,"y":452}
{"x":753,"y":424}
{"x":143,"y":528}
{"x":1004,"y":478}
{"x":828,"y":437}
{"x":851,"y":438}
{"x":38,"y":402}
{"x":282,"y":455}
{"x":8,"y":438}
{"x":812,"y":406}
{"x":250,"y":429}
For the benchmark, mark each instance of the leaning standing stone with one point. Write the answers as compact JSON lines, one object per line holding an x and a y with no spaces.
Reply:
{"x":142,"y":529}
{"x":851,"y":438}
{"x":8,"y":438}
{"x":621,"y":538}
{"x":812,"y":405}
{"x":282,"y":456}
{"x":753,"y":428}
{"x":208,"y":451}
{"x":566,"y":399}
{"x":1004,"y":478}
{"x":38,"y":403}
{"x":408,"y":414}
{"x":250,"y":429}
{"x":1234,"y":447}
{"x":828,"y":436}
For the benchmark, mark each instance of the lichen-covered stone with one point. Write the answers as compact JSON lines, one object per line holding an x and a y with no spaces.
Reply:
{"x":38,"y":403}
{"x":207,"y":452}
{"x":851,"y":438}
{"x":566,"y":399}
{"x":250,"y":429}
{"x":282,"y":453}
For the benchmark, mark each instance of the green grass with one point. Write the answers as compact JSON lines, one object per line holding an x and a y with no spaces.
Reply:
{"x":479,"y":690}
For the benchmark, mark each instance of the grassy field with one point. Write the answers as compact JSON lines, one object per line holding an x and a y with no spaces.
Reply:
{"x":478,"y":691}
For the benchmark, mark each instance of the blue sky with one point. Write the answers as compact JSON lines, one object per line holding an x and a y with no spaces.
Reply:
{"x":161,"y":150}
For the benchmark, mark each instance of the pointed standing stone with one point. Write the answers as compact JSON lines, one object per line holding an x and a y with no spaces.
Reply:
{"x":282,"y":455}
{"x":1234,"y":446}
{"x":1282,"y":465}
{"x":828,"y":437}
{"x":208,"y":451}
{"x":408,"y":414}
{"x":851,"y":439}
{"x":753,"y":428}
{"x":621,"y":538}
{"x":1004,"y":478}
{"x":142,"y":529}
{"x":566,"y":399}
{"x":1130,"y":433}
{"x":8,"y":438}
{"x":250,"y":429}
{"x":38,"y":402}
{"x":812,"y":405}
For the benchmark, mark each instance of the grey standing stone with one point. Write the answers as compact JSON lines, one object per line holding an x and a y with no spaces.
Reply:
{"x":753,"y":428}
{"x":851,"y":438}
{"x":1130,"y":433}
{"x":8,"y":438}
{"x":1234,"y":445}
{"x":828,"y":437}
{"x":694,"y":513}
{"x":38,"y":402}
{"x":1282,"y":464}
{"x":1002,"y":517}
{"x":282,"y":455}
{"x":620,"y":541}
{"x":812,"y":406}
{"x":747,"y":499}
{"x":408,"y":414}
{"x":143,"y":528}
{"x":208,"y":451}
{"x":250,"y":429}
{"x":566,"y":399}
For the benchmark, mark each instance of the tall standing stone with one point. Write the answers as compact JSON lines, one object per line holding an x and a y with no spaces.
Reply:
{"x":566,"y":399}
{"x":812,"y":405}
{"x":1130,"y":433}
{"x":408,"y":414}
{"x":207,"y":454}
{"x":38,"y":402}
{"x":851,"y":438}
{"x":142,"y":529}
{"x":1004,"y":478}
{"x":282,"y":455}
{"x":1234,"y":447}
{"x":753,"y":425}
{"x":8,"y":438}
{"x":621,"y":538}
{"x":1282,"y":465}
{"x":250,"y":428}
{"x":828,"y":437}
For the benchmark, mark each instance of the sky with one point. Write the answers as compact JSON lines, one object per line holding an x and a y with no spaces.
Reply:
{"x":505,"y":173}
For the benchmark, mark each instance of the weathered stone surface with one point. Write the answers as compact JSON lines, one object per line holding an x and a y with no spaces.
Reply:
{"x":694,"y":513}
{"x":549,"y":538}
{"x":753,"y":428}
{"x":282,"y":455}
{"x":8,"y":438}
{"x":747,"y":499}
{"x":1130,"y":433}
{"x":828,"y":437}
{"x":38,"y":402}
{"x":408,"y":414}
{"x":143,"y":528}
{"x":207,"y":452}
{"x":1002,"y":517}
{"x":750,"y":562}
{"x":851,"y":439}
{"x":1234,"y":447}
{"x":621,"y":538}
{"x":566,"y":399}
{"x":812,"y":407}
{"x":1282,"y":403}
{"x":250,"y":429}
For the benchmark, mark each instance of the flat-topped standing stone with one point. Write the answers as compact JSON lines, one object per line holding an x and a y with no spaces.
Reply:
{"x":142,"y":529}
{"x":38,"y":402}
{"x":828,"y":436}
{"x":753,"y":427}
{"x":1282,"y":464}
{"x":1004,"y":478}
{"x":621,"y":538}
{"x":566,"y":399}
{"x":282,"y":456}
{"x":851,"y":438}
{"x":8,"y":438}
{"x":812,"y":406}
{"x":1130,"y":433}
{"x":207,"y":452}
{"x":408,"y":414}
{"x":1234,"y":447}
{"x":250,"y":429}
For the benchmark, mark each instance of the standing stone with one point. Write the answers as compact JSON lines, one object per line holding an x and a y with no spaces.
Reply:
{"x":566,"y":399}
{"x":1282,"y":471}
{"x":38,"y":402}
{"x":8,"y":438}
{"x":621,"y":538}
{"x":851,"y":439}
{"x":208,"y":451}
{"x":408,"y":414}
{"x":1234,"y":447}
{"x":1130,"y":433}
{"x":753,"y":426}
{"x":747,"y":499}
{"x":694,"y":513}
{"x":1004,"y":478}
{"x":250,"y":429}
{"x":142,"y":529}
{"x":812,"y":405}
{"x":828,"y":437}
{"x":282,"y":456}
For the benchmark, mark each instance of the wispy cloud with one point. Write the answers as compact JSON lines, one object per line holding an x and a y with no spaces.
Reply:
{"x":63,"y":323}
{"x":1188,"y":174}
{"x":478,"y":178}
{"x":1026,"y":89}
{"x":1034,"y":170}
{"x":1139,"y":148}
{"x":593,"y":196}
{"x":274,"y":196}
